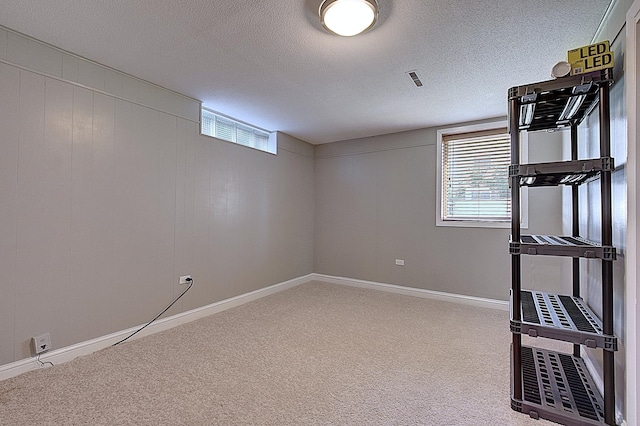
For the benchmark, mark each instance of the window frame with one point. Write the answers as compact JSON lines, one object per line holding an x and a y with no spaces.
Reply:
{"x":478,"y":222}
{"x":271,"y":143}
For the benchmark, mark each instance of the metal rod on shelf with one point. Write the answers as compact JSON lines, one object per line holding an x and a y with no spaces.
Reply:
{"x":514,"y":130}
{"x":607,"y":265}
{"x":515,"y":160}
{"x":575,"y":224}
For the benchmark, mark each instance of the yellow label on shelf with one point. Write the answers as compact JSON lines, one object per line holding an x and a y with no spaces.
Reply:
{"x":590,"y":58}
{"x":592,"y":63}
{"x":598,"y":49}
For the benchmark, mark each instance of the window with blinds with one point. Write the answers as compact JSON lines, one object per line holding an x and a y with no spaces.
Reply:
{"x":221,"y":127}
{"x":474,"y":177}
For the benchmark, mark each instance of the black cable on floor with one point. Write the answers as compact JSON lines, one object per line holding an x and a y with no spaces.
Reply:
{"x":158,"y":316}
{"x":43,"y":363}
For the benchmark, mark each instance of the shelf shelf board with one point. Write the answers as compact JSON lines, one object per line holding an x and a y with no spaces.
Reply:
{"x":560,"y":173}
{"x":561,"y":317}
{"x":548,"y":101}
{"x":558,"y":387}
{"x":556,"y":245}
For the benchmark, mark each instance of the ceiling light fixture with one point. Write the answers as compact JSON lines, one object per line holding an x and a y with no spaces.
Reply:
{"x":348,"y":17}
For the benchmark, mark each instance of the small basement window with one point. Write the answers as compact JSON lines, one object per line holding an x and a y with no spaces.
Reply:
{"x":473,"y":177}
{"x":222,"y":127}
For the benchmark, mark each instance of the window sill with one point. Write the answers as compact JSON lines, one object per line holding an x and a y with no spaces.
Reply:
{"x":499,"y":224}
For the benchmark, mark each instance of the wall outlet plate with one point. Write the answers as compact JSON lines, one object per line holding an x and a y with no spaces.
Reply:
{"x":185,"y":279}
{"x":41,"y":343}
{"x":400,"y":262}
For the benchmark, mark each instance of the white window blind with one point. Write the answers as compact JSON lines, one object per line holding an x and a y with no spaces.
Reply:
{"x":475,"y":179}
{"x":224,"y":130}
{"x":221,"y":127}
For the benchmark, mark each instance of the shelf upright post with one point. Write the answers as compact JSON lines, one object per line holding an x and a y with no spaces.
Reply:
{"x":514,"y":130}
{"x":575,"y":224}
{"x":607,"y":264}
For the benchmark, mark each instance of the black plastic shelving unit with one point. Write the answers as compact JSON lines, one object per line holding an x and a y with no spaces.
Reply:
{"x":559,"y":245}
{"x":561,"y":317}
{"x":546,"y":384}
{"x":557,"y":387}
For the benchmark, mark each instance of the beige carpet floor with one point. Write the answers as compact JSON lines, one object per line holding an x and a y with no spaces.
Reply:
{"x":317,"y":354}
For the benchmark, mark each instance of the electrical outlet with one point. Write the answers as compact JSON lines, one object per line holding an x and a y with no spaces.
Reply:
{"x":41,"y":343}
{"x":185,"y":279}
{"x":400,"y":262}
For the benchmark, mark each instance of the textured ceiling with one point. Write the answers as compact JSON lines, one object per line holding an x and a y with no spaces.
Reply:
{"x":271,"y":64}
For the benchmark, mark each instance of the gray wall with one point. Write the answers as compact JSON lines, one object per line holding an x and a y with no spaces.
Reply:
{"x":376,"y":202}
{"x":109,"y":193}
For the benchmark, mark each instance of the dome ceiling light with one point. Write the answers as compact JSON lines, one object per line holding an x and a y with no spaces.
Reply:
{"x":348,"y":17}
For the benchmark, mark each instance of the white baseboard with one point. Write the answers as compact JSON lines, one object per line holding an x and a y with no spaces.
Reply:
{"x":598,"y":381}
{"x":416,"y":292}
{"x":87,"y":347}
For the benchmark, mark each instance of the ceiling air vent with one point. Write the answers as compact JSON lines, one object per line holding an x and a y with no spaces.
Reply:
{"x":415,"y":78}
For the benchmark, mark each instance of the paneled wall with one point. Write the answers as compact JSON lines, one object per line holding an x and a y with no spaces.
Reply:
{"x":109,"y":193}
{"x":590,"y":217}
{"x":376,"y":202}
{"x":35,"y":55}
